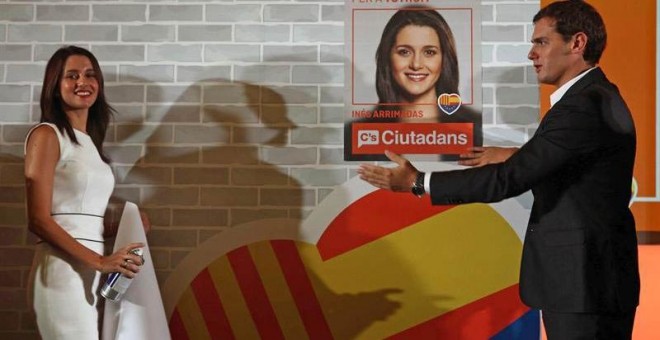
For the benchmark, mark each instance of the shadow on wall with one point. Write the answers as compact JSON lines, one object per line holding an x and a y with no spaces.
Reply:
{"x":16,"y":242}
{"x":12,"y":194}
{"x":218,"y":157}
{"x":205,"y":163}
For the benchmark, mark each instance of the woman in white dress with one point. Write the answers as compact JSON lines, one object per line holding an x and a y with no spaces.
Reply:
{"x":69,"y":183}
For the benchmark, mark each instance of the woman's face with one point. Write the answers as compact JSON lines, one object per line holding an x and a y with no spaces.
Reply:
{"x":78,"y":86}
{"x":416,"y":60}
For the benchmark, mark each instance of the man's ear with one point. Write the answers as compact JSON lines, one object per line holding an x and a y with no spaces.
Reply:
{"x":579,"y":43}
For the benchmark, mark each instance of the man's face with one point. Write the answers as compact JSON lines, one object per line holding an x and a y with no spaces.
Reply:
{"x":551,"y":55}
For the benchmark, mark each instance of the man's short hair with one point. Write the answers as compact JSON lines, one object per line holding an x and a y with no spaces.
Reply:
{"x":574,"y":16}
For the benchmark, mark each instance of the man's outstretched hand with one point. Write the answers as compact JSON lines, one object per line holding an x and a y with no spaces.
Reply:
{"x":400,"y":178}
{"x":482,"y":155}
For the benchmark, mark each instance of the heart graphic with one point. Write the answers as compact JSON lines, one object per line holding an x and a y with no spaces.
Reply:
{"x":449,"y":102}
{"x":361,"y":276}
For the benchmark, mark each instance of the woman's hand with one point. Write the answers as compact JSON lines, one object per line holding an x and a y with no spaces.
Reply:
{"x":122,"y":261}
{"x":482,"y":155}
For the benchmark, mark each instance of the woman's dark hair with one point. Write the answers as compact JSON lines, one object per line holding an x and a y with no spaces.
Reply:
{"x":387,"y":88}
{"x":576,"y":16}
{"x":51,"y":100}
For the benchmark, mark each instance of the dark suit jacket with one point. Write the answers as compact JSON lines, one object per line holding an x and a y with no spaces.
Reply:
{"x":580,"y":249}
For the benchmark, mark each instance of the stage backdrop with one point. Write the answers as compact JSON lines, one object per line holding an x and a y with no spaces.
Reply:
{"x":229,"y":134}
{"x":366,"y":264}
{"x":372,"y":264}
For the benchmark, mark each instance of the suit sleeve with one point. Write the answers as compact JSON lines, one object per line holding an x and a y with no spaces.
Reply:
{"x":567,"y":134}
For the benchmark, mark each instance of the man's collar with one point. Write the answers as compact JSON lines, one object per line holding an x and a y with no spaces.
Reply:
{"x":559,"y":93}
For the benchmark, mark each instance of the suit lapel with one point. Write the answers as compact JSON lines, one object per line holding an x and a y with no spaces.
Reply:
{"x":596,"y":75}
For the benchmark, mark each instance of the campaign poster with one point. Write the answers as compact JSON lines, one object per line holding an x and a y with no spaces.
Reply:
{"x":413,"y":83}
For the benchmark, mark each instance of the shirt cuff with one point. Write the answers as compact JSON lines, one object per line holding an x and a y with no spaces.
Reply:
{"x":427,"y":182}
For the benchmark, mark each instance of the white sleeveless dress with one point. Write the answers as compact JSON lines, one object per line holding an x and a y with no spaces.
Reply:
{"x":64,"y":291}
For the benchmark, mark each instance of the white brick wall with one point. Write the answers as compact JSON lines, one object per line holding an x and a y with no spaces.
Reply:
{"x":509,"y":86}
{"x":229,"y":111}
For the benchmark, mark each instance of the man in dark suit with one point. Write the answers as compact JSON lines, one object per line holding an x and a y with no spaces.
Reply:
{"x":579,"y":263}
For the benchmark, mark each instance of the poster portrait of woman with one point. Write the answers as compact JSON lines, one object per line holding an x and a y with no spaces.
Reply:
{"x":422,"y":70}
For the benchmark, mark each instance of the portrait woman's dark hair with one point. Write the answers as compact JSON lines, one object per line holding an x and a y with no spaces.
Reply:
{"x":51,"y":100}
{"x":387,"y":88}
